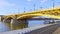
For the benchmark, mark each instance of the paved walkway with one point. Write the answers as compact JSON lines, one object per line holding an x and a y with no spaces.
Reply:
{"x":46,"y":30}
{"x":57,"y":31}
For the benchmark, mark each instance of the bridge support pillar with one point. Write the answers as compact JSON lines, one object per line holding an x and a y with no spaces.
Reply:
{"x":0,"y":19}
{"x":6,"y":20}
{"x":18,"y":21}
{"x":15,"y":21}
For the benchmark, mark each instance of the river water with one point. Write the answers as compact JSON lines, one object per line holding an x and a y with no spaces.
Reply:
{"x":9,"y":27}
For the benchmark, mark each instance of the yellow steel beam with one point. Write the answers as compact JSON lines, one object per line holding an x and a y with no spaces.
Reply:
{"x":51,"y":13}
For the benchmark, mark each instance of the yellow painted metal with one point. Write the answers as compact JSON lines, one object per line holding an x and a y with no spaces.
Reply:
{"x":53,"y":13}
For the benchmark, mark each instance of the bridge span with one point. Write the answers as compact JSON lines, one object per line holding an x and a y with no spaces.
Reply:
{"x":52,"y":13}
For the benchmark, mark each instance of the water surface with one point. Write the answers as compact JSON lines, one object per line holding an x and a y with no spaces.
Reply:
{"x":15,"y":26}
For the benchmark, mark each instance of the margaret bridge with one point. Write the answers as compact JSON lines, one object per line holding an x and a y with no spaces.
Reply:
{"x":52,"y":13}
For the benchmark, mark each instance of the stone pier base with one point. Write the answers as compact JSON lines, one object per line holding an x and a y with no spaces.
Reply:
{"x":14,"y":21}
{"x":6,"y":21}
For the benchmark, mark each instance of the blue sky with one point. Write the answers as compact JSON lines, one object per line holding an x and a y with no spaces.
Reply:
{"x":17,"y":6}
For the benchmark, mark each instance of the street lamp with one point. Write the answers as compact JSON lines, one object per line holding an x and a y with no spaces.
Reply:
{"x":24,"y":10}
{"x":34,"y":6}
{"x":53,"y":4}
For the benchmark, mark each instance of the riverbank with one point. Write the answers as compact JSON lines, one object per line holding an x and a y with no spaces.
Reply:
{"x":25,"y":30}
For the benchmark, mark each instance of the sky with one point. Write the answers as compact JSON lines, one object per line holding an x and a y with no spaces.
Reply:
{"x":19,"y":6}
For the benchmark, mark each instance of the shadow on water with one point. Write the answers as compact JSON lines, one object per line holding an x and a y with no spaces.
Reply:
{"x":16,"y":26}
{"x":12,"y":26}
{"x":7,"y":26}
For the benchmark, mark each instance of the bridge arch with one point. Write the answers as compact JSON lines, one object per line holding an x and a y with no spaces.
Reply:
{"x":50,"y":13}
{"x":8,"y":17}
{"x":32,"y":15}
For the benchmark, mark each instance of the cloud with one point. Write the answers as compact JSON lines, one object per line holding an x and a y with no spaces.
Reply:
{"x":4,"y":3}
{"x":43,"y":1}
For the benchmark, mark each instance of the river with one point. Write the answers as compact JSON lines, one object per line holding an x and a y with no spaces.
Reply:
{"x":9,"y":27}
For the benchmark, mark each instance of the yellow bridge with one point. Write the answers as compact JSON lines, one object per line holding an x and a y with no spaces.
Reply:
{"x":22,"y":18}
{"x":53,"y":13}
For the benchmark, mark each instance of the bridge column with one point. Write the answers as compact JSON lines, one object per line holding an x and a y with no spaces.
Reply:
{"x":0,"y":19}
{"x":15,"y":21}
{"x":18,"y":21}
{"x":3,"y":20}
{"x":6,"y":20}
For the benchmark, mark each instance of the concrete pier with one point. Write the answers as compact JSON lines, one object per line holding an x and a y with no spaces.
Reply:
{"x":6,"y":20}
{"x":0,"y":19}
{"x":15,"y":21}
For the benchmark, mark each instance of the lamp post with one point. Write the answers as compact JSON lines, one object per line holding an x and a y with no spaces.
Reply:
{"x":34,"y":7}
{"x":24,"y":10}
{"x":53,"y":4}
